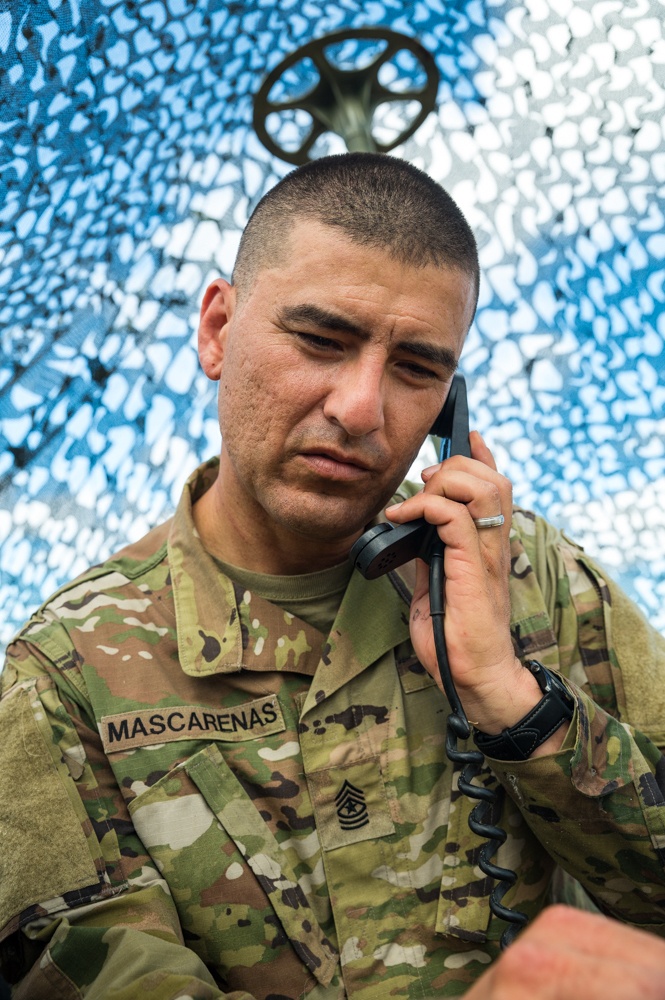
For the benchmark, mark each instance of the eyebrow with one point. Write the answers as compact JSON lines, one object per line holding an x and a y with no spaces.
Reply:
{"x":309,"y":313}
{"x":327,"y":320}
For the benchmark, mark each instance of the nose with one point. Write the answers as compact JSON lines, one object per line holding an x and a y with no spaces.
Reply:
{"x":356,"y":399}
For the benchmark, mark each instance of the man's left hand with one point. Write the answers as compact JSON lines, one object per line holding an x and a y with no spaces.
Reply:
{"x":495,"y":689}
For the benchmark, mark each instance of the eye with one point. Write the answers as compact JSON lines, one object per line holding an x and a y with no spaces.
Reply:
{"x":419,"y":372}
{"x":316,"y":342}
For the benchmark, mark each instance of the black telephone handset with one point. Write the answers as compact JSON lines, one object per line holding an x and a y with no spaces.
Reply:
{"x":385,"y":547}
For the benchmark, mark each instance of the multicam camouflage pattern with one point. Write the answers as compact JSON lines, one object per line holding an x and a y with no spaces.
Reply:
{"x":269,"y":813}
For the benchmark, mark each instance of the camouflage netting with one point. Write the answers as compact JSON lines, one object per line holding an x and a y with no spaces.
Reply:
{"x":128,"y":166}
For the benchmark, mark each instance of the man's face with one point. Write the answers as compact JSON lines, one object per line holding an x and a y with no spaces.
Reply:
{"x":332,"y":369}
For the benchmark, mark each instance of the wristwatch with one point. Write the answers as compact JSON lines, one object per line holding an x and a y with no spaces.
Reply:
{"x":519,"y":741}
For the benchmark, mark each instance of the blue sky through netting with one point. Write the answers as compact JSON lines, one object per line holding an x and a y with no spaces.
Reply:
{"x":128,"y":166}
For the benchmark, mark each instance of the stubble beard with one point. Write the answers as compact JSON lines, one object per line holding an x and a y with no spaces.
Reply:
{"x":326,"y":515}
{"x":327,"y":512}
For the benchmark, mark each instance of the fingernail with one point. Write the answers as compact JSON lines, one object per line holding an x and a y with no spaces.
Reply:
{"x":429,"y":471}
{"x":395,"y":506}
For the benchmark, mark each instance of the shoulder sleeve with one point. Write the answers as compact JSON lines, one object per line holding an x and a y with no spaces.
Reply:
{"x":598,"y":805}
{"x":605,"y":645}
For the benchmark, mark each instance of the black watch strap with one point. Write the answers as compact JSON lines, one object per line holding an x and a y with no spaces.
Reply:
{"x":519,"y":741}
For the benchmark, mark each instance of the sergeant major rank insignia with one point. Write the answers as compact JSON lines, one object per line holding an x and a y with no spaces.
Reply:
{"x":351,"y":807}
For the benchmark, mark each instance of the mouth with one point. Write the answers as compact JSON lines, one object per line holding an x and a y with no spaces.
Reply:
{"x":331,"y":464}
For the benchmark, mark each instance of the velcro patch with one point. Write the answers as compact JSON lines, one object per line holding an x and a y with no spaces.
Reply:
{"x":146,"y":727}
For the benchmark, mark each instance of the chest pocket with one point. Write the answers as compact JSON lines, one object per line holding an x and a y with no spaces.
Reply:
{"x":350,"y":803}
{"x":236,"y":892}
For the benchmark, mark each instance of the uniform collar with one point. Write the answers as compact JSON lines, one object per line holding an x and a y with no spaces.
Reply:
{"x":223,"y":629}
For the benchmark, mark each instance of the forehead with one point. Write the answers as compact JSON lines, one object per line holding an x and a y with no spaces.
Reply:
{"x":312,"y":240}
{"x":322,"y":259}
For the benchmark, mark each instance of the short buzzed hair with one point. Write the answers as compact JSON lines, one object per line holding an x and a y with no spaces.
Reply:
{"x":376,"y":200}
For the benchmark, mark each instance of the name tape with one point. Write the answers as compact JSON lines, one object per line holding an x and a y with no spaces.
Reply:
{"x":146,"y":727}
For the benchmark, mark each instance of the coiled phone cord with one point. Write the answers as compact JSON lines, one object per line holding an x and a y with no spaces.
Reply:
{"x":481,"y":820}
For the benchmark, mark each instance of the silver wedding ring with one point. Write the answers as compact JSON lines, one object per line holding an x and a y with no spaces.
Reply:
{"x":489,"y":522}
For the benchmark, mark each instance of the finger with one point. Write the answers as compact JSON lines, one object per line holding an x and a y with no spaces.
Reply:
{"x":480,"y":451}
{"x":435,"y":477}
{"x":485,"y":496}
{"x":485,"y":491}
{"x":568,"y":953}
{"x":550,"y":972}
{"x":457,"y":531}
{"x":480,"y":497}
{"x":593,"y":934}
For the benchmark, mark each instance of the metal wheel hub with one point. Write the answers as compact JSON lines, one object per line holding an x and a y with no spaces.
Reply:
{"x":344,"y":100}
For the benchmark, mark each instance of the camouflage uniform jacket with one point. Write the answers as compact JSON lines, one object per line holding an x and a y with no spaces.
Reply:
{"x":207,"y":798}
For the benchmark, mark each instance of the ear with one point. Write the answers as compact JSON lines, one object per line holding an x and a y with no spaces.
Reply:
{"x":217,"y":311}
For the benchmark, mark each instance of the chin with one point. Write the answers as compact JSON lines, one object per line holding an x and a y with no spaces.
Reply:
{"x":327,"y":518}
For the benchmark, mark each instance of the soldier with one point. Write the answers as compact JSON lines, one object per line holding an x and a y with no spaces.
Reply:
{"x":224,"y":750}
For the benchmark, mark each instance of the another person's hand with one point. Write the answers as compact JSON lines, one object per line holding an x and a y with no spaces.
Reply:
{"x":568,"y":954}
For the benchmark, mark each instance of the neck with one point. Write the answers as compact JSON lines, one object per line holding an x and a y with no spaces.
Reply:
{"x":234,"y":528}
